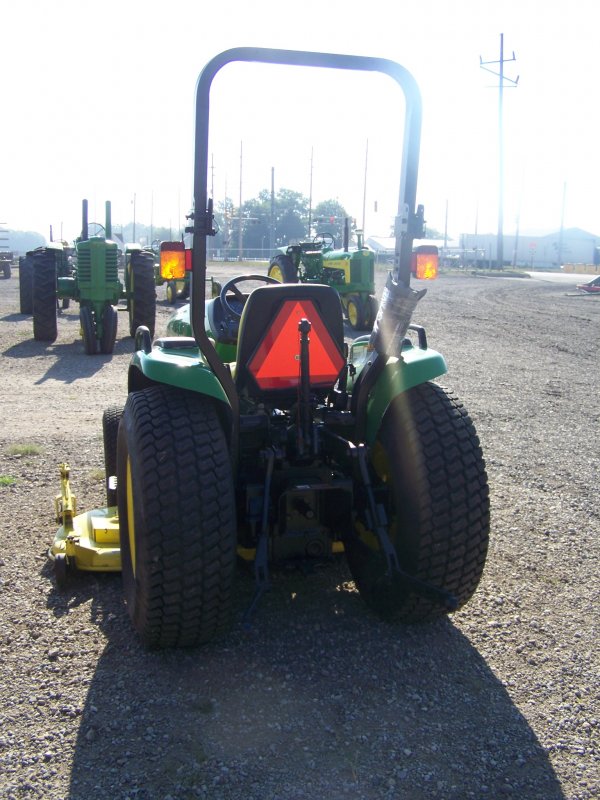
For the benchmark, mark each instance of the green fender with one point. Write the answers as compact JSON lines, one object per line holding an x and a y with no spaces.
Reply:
{"x":185,"y":368}
{"x":416,"y":366}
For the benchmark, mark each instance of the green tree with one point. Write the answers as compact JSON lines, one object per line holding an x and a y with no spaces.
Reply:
{"x":330,"y":216}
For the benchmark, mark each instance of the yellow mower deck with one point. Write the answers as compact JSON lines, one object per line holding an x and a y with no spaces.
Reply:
{"x":89,"y":541}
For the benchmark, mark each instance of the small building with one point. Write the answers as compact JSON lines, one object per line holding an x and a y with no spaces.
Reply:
{"x":532,"y":251}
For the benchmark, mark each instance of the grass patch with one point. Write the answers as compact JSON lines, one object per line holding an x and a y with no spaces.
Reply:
{"x":97,"y":475}
{"x":6,"y":480}
{"x":24,"y":450}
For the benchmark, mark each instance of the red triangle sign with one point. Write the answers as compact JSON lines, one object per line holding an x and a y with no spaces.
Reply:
{"x":276,"y":362}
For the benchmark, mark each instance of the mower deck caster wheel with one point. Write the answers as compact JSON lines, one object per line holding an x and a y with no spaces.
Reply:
{"x":60,"y":570}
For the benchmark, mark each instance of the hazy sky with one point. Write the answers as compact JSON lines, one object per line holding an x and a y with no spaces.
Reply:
{"x":97,"y":101}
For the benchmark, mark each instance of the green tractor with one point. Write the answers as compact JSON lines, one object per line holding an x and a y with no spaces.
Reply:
{"x":267,"y":438}
{"x":350,"y":271}
{"x":93,"y":281}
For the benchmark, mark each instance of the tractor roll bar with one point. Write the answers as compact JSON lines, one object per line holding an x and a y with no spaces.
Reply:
{"x":203,"y":220}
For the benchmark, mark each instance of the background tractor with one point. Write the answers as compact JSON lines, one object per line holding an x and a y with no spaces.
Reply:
{"x":266,"y":437}
{"x":351,"y":271}
{"x":91,"y":278}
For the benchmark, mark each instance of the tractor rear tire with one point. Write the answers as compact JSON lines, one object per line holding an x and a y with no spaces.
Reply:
{"x":142,"y":300}
{"x":176,"y":517}
{"x":26,"y":284}
{"x":88,"y":330}
{"x":45,"y":327}
{"x":282,"y":268}
{"x":110,"y":429}
{"x":428,"y":454}
{"x":109,"y":329}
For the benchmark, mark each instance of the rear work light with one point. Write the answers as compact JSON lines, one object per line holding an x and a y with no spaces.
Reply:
{"x":425,"y":262}
{"x":172,"y":261}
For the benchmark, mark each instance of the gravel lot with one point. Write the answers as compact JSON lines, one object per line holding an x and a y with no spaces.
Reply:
{"x":319,"y":698}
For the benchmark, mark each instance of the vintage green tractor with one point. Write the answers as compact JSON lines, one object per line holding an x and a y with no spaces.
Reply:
{"x":93,"y":281}
{"x":351,"y":271}
{"x":266,"y":437}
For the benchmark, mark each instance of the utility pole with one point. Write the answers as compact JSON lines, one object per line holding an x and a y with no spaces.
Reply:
{"x":512,"y":84}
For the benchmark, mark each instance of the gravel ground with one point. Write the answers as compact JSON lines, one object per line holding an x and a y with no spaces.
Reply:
{"x":319,"y":698}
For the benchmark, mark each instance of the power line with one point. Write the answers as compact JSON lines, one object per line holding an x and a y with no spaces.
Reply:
{"x":511,"y":84}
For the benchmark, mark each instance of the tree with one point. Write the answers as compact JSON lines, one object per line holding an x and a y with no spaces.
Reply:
{"x":329,"y":217}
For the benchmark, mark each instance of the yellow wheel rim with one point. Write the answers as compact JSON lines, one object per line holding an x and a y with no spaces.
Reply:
{"x":275,"y":272}
{"x":170,"y":293}
{"x":130,"y":517}
{"x":352,"y":313}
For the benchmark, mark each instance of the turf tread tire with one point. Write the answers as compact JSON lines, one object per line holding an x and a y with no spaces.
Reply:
{"x":110,"y":429}
{"x":441,"y":503}
{"x":184,"y":517}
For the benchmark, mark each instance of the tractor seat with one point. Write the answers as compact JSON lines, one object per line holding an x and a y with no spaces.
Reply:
{"x":268,"y":355}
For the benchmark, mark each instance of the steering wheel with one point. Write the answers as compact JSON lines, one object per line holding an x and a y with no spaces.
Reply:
{"x":324,"y":239}
{"x":232,"y":286}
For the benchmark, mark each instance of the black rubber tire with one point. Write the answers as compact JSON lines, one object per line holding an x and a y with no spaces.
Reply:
{"x":26,"y":284}
{"x":428,"y":452}
{"x":88,"y":330}
{"x":177,"y":507}
{"x":371,"y":309}
{"x":6,"y":270}
{"x":109,"y":329}
{"x":282,"y":265}
{"x":142,"y":300}
{"x":60,"y":570}
{"x":171,"y":292}
{"x":355,"y":312}
{"x":45,"y":327}
{"x":110,"y":429}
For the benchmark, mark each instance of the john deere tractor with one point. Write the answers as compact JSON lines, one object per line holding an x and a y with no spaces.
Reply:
{"x":351,"y":271}
{"x":92,"y":281}
{"x":268,"y":438}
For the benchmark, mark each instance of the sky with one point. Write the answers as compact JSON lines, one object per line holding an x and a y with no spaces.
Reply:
{"x":98,"y":102}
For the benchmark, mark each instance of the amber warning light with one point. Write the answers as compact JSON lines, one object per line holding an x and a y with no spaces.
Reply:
{"x":425,"y":262}
{"x":172,"y":261}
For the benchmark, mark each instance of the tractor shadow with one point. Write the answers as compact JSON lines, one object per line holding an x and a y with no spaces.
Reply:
{"x":70,"y":363}
{"x":316,"y":698}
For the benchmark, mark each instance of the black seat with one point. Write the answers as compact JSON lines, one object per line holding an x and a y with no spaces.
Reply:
{"x":268,"y":355}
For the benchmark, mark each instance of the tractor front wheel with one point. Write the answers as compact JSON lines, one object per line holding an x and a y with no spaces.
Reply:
{"x":109,"y":329}
{"x":171,"y":292}
{"x":110,"y":429}
{"x":176,"y":517}
{"x":44,"y":296}
{"x":88,"y":330}
{"x":142,"y":292}
{"x":355,"y":312}
{"x":282,"y":269}
{"x":428,"y":469}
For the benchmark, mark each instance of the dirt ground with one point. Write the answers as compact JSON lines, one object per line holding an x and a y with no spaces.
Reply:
{"x":318,"y":698}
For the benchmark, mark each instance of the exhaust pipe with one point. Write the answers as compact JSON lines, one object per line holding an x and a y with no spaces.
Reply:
{"x":84,"y":220}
